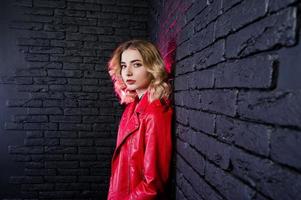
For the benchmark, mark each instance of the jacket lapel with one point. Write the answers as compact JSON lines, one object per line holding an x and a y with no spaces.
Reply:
{"x":130,"y":121}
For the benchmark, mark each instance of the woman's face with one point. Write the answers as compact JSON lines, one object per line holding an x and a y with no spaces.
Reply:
{"x":133,"y":71}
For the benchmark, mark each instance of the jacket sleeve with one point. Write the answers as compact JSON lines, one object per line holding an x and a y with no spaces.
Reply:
{"x":157,"y":156}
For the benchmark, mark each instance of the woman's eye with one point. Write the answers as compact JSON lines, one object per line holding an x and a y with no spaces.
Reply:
{"x":123,"y":66}
{"x":137,"y":65}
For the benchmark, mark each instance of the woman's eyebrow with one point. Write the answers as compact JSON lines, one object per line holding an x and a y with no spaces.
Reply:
{"x":131,"y":61}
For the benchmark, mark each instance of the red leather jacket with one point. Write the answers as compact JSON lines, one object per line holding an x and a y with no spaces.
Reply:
{"x":141,"y":160}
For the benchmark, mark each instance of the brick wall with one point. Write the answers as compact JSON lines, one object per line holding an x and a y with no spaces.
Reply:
{"x":237,"y":96}
{"x":57,"y":99}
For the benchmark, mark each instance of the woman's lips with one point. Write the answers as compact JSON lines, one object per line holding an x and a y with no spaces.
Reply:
{"x":130,"y":81}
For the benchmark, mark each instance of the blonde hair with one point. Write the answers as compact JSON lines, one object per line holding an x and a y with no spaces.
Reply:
{"x":154,"y":64}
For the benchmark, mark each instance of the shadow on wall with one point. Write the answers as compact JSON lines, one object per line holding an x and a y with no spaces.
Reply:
{"x":10,"y":59}
{"x":169,"y":60}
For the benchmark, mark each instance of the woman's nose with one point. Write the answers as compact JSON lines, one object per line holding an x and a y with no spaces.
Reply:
{"x":129,"y":72}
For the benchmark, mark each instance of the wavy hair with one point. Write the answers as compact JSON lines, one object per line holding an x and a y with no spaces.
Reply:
{"x":152,"y":60}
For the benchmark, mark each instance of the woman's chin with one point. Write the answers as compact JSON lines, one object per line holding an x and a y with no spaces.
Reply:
{"x":131,"y":88}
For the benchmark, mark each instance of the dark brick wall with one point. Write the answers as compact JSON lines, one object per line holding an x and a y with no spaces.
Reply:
{"x":236,"y":67}
{"x":59,"y":115}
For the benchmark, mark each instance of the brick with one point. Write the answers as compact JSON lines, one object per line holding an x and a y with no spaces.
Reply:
{"x":183,"y":66}
{"x":46,"y":50}
{"x":79,"y":21}
{"x":202,"y":39}
{"x":49,"y":3}
{"x":186,"y":187}
{"x":188,"y":98}
{"x":37,"y":187}
{"x":23,"y":103}
{"x":44,"y":111}
{"x":186,"y":33}
{"x":60,"y":179}
{"x":23,"y":80}
{"x":275,"y":30}
{"x":59,"y":149}
{"x":39,"y":172}
{"x":60,"y":134}
{"x":179,"y":194}
{"x":278,"y":4}
{"x":80,"y":157}
{"x":103,"y":119}
{"x":78,"y":66}
{"x":29,"y":26}
{"x":201,"y":79}
{"x":21,"y":158}
{"x":80,"y":96}
{"x":30,"y":118}
{"x":32,"y":42}
{"x":251,"y":136}
{"x":29,"y":18}
{"x":105,"y":143}
{"x":269,"y":178}
{"x":76,"y":142}
{"x":59,"y":103}
{"x":33,"y":142}
{"x":182,"y":115}
{"x":92,"y":134}
{"x":230,"y":187}
{"x":95,"y":30}
{"x":221,"y":101}
{"x":47,"y":95}
{"x":102,"y":127}
{"x":181,"y":82}
{"x":25,"y":179}
{"x":26,"y":3}
{"x":195,"y":180}
{"x":244,"y":13}
{"x":61,"y":164}
{"x":197,"y":7}
{"x":83,"y":6}
{"x":38,"y":11}
{"x":80,"y":111}
{"x":49,"y":80}
{"x":34,"y":134}
{"x":202,"y":121}
{"x":214,"y":150}
{"x":59,"y":194}
{"x":230,"y":3}
{"x":32,"y":88}
{"x":209,"y":14}
{"x":24,"y":150}
{"x":285,"y":147}
{"x":30,"y":72}
{"x":210,"y":56}
{"x":62,"y":88}
{"x":183,"y":50}
{"x":185,"y":134}
{"x":64,"y":73}
{"x":252,"y":72}
{"x":252,"y":104}
{"x":63,"y":118}
{"x":40,"y":34}
{"x":197,"y":161}
{"x":89,"y":179}
{"x":37,"y":57}
{"x":68,"y":172}
{"x":71,"y":186}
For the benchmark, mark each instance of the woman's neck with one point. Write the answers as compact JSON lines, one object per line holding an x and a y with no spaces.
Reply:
{"x":140,"y":93}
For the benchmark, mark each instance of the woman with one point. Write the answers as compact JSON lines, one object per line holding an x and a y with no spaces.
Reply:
{"x":141,"y":160}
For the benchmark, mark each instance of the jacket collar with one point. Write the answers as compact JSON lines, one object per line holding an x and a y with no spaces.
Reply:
{"x":142,"y":103}
{"x":132,"y":122}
